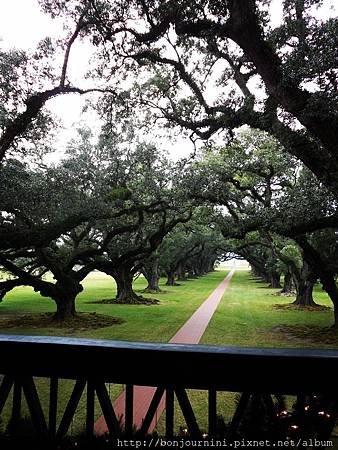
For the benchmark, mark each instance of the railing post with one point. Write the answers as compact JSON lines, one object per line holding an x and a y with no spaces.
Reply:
{"x":90,"y":418}
{"x":17,"y":400}
{"x":34,"y":405}
{"x":129,"y":409}
{"x":53,"y":403}
{"x":169,"y":412}
{"x":71,"y":408}
{"x":5,"y":388}
{"x":212,"y":411}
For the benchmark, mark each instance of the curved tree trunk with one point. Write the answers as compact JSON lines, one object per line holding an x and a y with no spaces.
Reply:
{"x":304,"y":294}
{"x":153,"y":285}
{"x":151,"y":275}
{"x":181,"y":273}
{"x":304,"y":283}
{"x":124,"y":283}
{"x":275,"y":280}
{"x":65,"y":307}
{"x":330,"y":286}
{"x":171,"y":279}
{"x":287,"y":285}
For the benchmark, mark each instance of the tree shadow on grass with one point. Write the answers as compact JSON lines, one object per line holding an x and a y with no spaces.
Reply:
{"x":80,"y":322}
{"x":292,"y":307}
{"x":112,"y":301}
{"x":308,"y":334}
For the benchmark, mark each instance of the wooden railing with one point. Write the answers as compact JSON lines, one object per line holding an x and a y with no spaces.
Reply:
{"x":170,"y":368}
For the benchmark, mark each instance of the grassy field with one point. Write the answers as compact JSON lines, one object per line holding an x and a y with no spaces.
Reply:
{"x":155,"y":323}
{"x":246,"y":316}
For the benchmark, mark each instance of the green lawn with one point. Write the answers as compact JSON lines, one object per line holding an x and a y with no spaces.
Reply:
{"x":156,"y":323}
{"x":246,"y":317}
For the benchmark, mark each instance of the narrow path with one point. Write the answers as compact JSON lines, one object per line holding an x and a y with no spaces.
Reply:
{"x":190,"y":333}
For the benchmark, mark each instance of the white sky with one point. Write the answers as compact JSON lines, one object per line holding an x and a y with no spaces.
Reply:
{"x":23,"y":25}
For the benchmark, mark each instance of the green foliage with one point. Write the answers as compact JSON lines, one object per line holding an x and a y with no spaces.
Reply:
{"x":292,"y":253}
{"x":120,"y":193}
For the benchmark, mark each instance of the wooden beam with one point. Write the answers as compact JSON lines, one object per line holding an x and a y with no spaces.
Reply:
{"x":107,"y":409}
{"x":53,"y":405}
{"x":71,"y":408}
{"x":90,"y":406}
{"x":155,"y":401}
{"x":129,"y":416}
{"x":5,"y":389}
{"x":34,"y":405}
{"x":212,"y":411}
{"x":188,"y":412}
{"x":169,"y":413}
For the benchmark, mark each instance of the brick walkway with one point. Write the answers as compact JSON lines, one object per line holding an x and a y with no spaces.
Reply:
{"x":190,"y":333}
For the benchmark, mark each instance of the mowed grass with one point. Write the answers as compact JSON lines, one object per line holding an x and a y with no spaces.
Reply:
{"x":247,"y":317}
{"x":154,"y":323}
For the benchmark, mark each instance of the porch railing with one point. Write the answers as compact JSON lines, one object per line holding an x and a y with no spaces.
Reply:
{"x":170,"y":368}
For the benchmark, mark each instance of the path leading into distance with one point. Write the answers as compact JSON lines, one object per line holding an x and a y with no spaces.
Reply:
{"x":190,"y":333}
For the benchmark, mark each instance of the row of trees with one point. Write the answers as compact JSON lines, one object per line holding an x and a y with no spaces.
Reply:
{"x":172,"y":52}
{"x":277,"y":215}
{"x":118,"y":209}
{"x":123,"y":208}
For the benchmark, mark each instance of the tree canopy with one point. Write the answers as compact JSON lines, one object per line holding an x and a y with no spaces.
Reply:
{"x":257,"y":95}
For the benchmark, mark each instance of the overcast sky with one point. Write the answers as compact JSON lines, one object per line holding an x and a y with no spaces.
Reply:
{"x":23,"y":25}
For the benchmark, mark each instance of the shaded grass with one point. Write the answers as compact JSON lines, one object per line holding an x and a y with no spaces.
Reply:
{"x":80,"y":322}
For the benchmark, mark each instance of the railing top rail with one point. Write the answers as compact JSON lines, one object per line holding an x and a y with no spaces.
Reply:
{"x":58,"y":341}
{"x":195,"y":366}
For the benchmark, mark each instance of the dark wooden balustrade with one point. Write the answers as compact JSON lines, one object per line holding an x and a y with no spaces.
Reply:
{"x":170,"y":368}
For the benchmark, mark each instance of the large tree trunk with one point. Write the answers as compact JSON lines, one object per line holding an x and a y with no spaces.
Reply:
{"x":64,"y":293}
{"x":287,"y":285}
{"x":151,"y":275}
{"x":304,"y":283}
{"x":153,"y":285}
{"x":191,"y":274}
{"x":124,"y":283}
{"x":275,"y":280}
{"x":181,"y":273}
{"x":65,"y":307}
{"x":64,"y":296}
{"x":330,"y":286}
{"x":171,"y":278}
{"x":304,"y":294}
